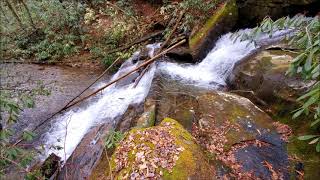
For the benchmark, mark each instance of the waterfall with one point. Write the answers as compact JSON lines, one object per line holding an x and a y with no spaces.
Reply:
{"x":114,"y":100}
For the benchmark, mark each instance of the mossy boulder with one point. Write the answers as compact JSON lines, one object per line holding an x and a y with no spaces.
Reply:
{"x":165,"y":151}
{"x":202,"y":39}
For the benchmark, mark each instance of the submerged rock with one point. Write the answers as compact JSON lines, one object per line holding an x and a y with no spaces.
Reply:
{"x":165,"y":151}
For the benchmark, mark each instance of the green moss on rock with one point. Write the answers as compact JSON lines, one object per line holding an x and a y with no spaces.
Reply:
{"x":188,"y":159}
{"x":223,"y":19}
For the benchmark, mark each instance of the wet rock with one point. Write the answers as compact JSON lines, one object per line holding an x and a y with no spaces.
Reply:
{"x":203,"y":39}
{"x":165,"y":151}
{"x":128,"y":121}
{"x":182,"y":54}
{"x":241,"y":136}
{"x":147,"y":119}
{"x":254,"y":11}
{"x":85,"y":157}
{"x":176,"y":100}
{"x":262,"y":79}
{"x":265,"y":70}
{"x":50,"y":167}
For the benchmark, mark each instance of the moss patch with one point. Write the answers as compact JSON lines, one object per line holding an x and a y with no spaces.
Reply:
{"x":226,"y":9}
{"x":167,"y":151}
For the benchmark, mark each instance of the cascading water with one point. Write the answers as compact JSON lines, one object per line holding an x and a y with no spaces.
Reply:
{"x":218,"y":64}
{"x":69,"y":129}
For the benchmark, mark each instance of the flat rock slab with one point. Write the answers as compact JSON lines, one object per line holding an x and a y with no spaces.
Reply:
{"x":241,"y":136}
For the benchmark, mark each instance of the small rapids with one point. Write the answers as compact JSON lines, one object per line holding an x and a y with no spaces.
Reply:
{"x":68,"y":129}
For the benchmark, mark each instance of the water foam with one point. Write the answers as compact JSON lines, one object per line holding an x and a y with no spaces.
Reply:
{"x":218,"y":64}
{"x":113,"y":102}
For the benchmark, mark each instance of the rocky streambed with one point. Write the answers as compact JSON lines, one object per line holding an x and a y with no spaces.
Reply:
{"x":233,"y":130}
{"x":233,"y":137}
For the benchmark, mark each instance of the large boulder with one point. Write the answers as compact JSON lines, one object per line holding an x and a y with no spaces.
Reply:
{"x":165,"y":151}
{"x":264,"y":76}
{"x":203,"y":38}
{"x":86,"y":155}
{"x":241,"y":136}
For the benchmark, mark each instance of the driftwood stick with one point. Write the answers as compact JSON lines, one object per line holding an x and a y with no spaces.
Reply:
{"x":140,"y":76}
{"x":173,"y":30}
{"x":101,"y":75}
{"x":161,"y":47}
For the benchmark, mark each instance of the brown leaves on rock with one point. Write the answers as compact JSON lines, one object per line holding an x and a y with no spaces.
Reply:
{"x":211,"y":137}
{"x":284,"y":130}
{"x":274,"y":174}
{"x":146,"y":152}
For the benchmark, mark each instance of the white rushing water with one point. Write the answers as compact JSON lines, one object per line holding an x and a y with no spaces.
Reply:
{"x":218,"y":64}
{"x":114,"y":101}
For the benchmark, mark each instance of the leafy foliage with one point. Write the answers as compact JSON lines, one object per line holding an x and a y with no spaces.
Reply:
{"x":58,"y":30}
{"x":306,"y":37}
{"x":113,"y":138}
{"x":314,"y":139}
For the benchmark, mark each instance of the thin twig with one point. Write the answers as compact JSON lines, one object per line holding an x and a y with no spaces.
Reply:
{"x":123,"y":11}
{"x":93,"y":82}
{"x":64,"y":147}
{"x":161,"y":47}
{"x":15,"y":163}
{"x":111,"y":176}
